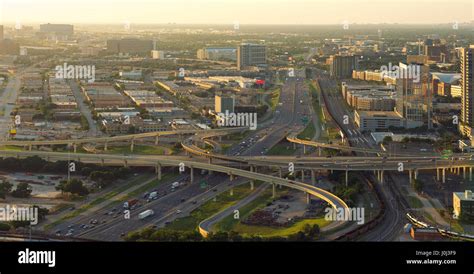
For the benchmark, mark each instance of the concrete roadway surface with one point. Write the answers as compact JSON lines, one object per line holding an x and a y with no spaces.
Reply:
{"x":166,"y":209}
{"x":116,"y":208}
{"x":7,"y":103}
{"x":287,"y":119}
{"x":393,"y":222}
{"x":84,"y":109}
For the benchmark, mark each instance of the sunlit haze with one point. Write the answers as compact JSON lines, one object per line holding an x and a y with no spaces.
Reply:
{"x":244,"y":11}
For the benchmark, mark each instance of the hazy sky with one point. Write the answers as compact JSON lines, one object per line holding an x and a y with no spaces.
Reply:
{"x":243,"y":11}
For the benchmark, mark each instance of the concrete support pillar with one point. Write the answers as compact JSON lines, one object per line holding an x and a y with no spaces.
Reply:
{"x":231,"y":177}
{"x":304,"y":149}
{"x":313,"y":177}
{"x":347,"y":178}
{"x":381,"y":177}
{"x":308,"y":198}
{"x":209,"y":160}
{"x":410,"y":175}
{"x":30,"y":147}
{"x":231,"y":192}
{"x":252,"y":185}
{"x":302,"y":175}
{"x":156,"y":140}
{"x":280,"y":173}
{"x":192,"y":174}
{"x":470,"y":174}
{"x":464,"y":172}
{"x":458,"y":171}
{"x":416,"y":174}
{"x":158,"y":171}
{"x":437,"y":174}
{"x":74,"y":147}
{"x":273,"y":190}
{"x":444,"y":175}
{"x":125,"y":163}
{"x":132,"y":144}
{"x":105,"y":146}
{"x":319,"y":151}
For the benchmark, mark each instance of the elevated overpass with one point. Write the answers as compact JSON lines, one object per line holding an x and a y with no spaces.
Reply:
{"x":128,"y":138}
{"x":160,"y":161}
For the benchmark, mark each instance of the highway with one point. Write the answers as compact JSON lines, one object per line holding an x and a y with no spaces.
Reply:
{"x":84,"y":109}
{"x":7,"y":101}
{"x":392,"y":221}
{"x":169,"y":206}
{"x":129,"y":137}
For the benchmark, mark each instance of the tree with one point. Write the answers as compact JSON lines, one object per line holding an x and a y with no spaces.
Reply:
{"x":311,"y":231}
{"x":102,"y":178}
{"x":23,"y":190}
{"x":73,"y":186}
{"x":387,"y":139}
{"x":5,"y":188}
{"x":418,"y":185}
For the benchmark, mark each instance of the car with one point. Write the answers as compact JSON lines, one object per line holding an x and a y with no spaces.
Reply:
{"x":178,"y":211}
{"x":183,"y":200}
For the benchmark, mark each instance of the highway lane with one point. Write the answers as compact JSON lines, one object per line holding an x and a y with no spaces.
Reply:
{"x":112,"y":206}
{"x":166,"y":208}
{"x":84,"y":109}
{"x":391,"y":223}
{"x":286,"y":119}
{"x":7,"y":103}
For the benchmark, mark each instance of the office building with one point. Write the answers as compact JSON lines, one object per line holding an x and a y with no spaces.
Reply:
{"x":456,"y":91}
{"x":217,"y":54}
{"x":130,"y":46}
{"x":463,"y":204}
{"x":158,"y":54}
{"x":368,"y":97}
{"x":341,"y":66}
{"x":467,"y":104}
{"x":223,"y":104}
{"x":249,"y":55}
{"x":57,"y":29}
{"x":377,"y":120}
{"x":414,"y":95}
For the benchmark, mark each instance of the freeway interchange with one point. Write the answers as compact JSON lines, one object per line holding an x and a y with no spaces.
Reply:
{"x":236,"y":168}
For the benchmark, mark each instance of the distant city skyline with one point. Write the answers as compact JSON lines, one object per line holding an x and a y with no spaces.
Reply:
{"x":242,"y":11}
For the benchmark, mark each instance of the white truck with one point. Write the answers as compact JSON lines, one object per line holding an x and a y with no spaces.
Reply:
{"x":145,"y":214}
